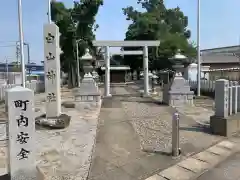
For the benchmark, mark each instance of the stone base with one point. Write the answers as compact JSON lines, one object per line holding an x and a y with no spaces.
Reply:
{"x":225,"y":126}
{"x":107,"y":96}
{"x":60,"y":122}
{"x":177,"y":92}
{"x":88,"y":98}
{"x":145,"y":95}
{"x":180,"y":99}
{"x":34,"y":174}
{"x":80,"y":106}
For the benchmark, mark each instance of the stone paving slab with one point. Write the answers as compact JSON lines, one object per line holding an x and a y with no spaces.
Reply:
{"x":192,"y":167}
{"x":226,"y":170}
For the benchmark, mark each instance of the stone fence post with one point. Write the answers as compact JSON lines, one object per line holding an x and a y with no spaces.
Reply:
{"x":222,"y":98}
{"x":223,"y":122}
{"x":21,"y":132}
{"x":235,"y":97}
{"x":230,"y":98}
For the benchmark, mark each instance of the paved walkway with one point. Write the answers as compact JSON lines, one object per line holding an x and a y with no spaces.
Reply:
{"x":227,"y":170}
{"x":118,"y":155}
{"x":131,"y":129}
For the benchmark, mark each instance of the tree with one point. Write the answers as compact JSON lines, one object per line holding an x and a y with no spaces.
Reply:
{"x":159,"y":23}
{"x":77,"y":23}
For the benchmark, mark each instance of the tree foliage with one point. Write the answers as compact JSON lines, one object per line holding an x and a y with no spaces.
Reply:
{"x":76,"y":23}
{"x":157,"y":22}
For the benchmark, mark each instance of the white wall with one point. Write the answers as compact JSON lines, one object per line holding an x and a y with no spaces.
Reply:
{"x":190,"y":72}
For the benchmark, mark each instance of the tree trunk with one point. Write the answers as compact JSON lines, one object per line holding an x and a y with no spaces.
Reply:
{"x":70,"y":78}
{"x":73,"y":76}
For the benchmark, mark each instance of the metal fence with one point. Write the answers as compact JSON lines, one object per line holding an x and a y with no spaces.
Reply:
{"x":206,"y":85}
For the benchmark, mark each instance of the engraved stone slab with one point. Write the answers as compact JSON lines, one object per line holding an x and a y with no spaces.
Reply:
{"x":21,"y":130}
{"x":52,"y":70}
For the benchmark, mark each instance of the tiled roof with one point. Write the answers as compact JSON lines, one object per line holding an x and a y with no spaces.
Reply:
{"x":227,"y":49}
{"x":220,"y":58}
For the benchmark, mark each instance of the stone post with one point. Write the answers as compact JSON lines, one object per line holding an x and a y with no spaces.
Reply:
{"x":235,"y":97}
{"x":221,"y":98}
{"x":238,"y":98}
{"x":145,"y":67}
{"x":222,"y":123}
{"x":21,"y":131}
{"x":230,"y":98}
{"x":52,"y":70}
{"x":107,"y":72}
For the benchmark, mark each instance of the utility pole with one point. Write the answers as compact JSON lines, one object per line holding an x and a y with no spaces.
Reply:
{"x":21,"y":41}
{"x":198,"y":51}
{"x":6,"y":69}
{"x":49,"y":11}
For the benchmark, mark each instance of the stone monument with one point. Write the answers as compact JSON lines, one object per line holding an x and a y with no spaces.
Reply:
{"x":88,"y":90}
{"x":21,"y":132}
{"x":177,"y":92}
{"x":53,"y":117}
{"x":52,"y":70}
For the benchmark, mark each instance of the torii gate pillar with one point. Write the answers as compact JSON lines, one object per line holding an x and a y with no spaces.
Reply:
{"x":145,"y":67}
{"x":107,"y":73}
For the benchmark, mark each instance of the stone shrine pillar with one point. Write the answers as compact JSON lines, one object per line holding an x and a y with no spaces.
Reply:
{"x":21,"y":132}
{"x":52,"y":70}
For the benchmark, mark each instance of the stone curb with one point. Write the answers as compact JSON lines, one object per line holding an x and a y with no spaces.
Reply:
{"x":194,"y":166}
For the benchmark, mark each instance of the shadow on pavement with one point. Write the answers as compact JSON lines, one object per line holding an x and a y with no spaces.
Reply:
{"x":163,"y":153}
{"x":197,"y":128}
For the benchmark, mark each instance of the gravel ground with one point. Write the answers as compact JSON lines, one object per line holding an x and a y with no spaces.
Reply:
{"x":153,"y":123}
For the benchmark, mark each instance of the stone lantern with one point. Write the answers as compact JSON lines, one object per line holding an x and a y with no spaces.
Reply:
{"x":88,"y":90}
{"x":178,"y":62}
{"x":86,"y":60}
{"x":177,"y":92}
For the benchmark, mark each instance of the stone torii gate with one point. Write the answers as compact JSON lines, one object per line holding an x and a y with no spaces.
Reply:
{"x":108,"y":44}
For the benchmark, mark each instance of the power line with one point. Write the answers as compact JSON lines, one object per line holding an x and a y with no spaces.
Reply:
{"x":7,"y":41}
{"x":8,"y":46}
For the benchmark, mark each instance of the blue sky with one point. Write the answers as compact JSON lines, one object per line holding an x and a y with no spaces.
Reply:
{"x":220,"y":25}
